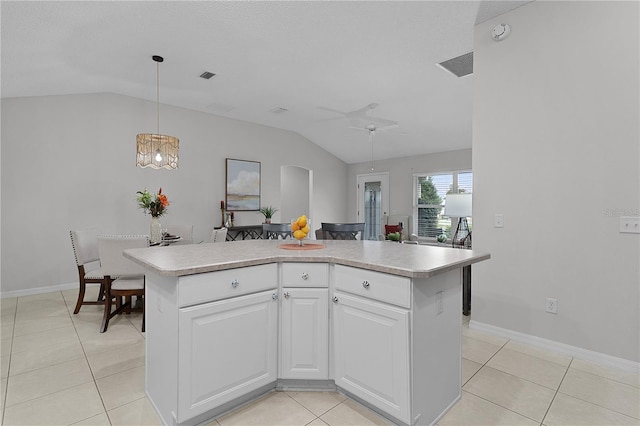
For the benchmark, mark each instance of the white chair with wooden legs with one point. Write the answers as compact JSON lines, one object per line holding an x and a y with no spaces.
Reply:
{"x":130,"y":281}
{"x":85,"y":250}
{"x":218,"y":235}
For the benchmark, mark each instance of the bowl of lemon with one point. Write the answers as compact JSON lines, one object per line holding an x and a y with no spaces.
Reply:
{"x":300,"y":229}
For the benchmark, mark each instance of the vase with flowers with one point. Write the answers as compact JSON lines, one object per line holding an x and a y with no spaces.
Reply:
{"x":156,"y":205}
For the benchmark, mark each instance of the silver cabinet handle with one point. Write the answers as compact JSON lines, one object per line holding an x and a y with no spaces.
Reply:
{"x":234,"y":283}
{"x":274,"y":296}
{"x":335,"y":299}
{"x":365,"y":284}
{"x":286,"y":294}
{"x":305,"y":276}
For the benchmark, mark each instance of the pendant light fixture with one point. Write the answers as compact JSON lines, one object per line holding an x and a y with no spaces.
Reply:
{"x":155,"y":150}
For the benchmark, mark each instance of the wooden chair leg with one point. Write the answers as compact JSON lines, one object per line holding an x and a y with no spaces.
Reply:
{"x":101,"y":293}
{"x":128,"y":302}
{"x":107,"y":308}
{"x":80,"y":296}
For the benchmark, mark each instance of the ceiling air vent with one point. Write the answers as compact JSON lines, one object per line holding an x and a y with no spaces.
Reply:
{"x":459,"y":66}
{"x":207,"y":75}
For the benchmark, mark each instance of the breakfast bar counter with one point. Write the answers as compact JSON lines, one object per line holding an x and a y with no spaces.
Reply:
{"x":407,"y":260}
{"x":377,"y":321}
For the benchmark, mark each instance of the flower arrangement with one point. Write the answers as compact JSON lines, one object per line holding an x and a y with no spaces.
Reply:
{"x":155,"y":206}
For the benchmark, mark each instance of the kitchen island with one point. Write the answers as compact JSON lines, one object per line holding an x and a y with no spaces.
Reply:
{"x":378,"y":321}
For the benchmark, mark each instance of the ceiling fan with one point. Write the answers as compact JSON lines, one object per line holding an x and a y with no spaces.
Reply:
{"x":358,"y":116}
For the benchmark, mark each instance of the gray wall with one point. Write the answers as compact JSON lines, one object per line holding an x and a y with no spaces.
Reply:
{"x":294,"y":187}
{"x":401,"y":171}
{"x":68,"y":162}
{"x":555,"y":149}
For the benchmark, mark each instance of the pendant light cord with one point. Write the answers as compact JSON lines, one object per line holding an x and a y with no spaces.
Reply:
{"x":158,"y":97}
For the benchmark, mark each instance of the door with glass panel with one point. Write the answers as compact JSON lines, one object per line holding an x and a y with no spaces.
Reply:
{"x":373,"y":203}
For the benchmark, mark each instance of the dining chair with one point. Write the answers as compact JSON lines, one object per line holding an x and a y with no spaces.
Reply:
{"x":85,"y":250}
{"x":342,"y":231}
{"x":218,"y":235}
{"x":130,"y":275}
{"x":275,"y":231}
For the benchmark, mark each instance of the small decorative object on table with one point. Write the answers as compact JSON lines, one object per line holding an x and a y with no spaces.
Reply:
{"x":156,"y":207}
{"x":393,"y":236}
{"x":300,"y":229}
{"x":441,"y":238}
{"x":268,"y":213}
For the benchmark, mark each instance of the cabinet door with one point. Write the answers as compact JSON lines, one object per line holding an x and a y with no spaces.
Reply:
{"x":227,"y":349}
{"x":305,"y":334}
{"x":371,"y":344}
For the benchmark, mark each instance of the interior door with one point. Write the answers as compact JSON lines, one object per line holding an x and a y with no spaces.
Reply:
{"x":373,"y":203}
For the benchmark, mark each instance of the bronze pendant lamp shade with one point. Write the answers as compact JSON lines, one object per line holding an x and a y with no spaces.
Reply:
{"x":155,"y":150}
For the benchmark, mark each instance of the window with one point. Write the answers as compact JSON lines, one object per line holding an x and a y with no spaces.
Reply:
{"x":430,"y":198}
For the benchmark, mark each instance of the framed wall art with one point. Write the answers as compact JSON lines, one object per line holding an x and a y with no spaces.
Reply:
{"x":243,"y":185}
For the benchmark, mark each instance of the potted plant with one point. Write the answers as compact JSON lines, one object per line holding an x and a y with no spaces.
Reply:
{"x":268,"y":213}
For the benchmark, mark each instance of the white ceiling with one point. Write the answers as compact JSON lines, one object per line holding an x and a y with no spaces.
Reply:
{"x":294,"y":55}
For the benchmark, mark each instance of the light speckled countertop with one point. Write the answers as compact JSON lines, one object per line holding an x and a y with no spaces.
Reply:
{"x":407,"y":260}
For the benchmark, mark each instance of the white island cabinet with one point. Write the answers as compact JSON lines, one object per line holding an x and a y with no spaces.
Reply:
{"x":228,"y":322}
{"x":304,"y":337}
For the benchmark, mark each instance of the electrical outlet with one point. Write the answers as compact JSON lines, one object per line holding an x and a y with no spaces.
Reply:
{"x":498,"y":220}
{"x":551,"y":305}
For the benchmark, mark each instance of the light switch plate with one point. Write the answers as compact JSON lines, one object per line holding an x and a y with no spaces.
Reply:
{"x":498,"y":221}
{"x":630,"y":224}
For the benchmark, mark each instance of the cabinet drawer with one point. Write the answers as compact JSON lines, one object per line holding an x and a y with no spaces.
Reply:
{"x":374,"y":285}
{"x":305,"y":274}
{"x":207,"y":287}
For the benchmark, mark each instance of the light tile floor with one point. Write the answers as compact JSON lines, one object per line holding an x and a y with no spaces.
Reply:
{"x":57,"y":369}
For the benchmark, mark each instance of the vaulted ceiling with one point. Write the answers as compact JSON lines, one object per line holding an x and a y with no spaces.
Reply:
{"x":292,"y":65}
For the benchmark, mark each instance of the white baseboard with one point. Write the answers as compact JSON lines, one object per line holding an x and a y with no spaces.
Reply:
{"x":37,"y":290}
{"x":574,"y":351}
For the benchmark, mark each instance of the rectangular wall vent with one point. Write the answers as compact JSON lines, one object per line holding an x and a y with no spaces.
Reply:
{"x":459,"y":66}
{"x":207,"y":75}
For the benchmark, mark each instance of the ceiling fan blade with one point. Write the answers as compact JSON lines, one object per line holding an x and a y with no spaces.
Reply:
{"x":362,"y":112}
{"x":344,"y":114}
{"x":389,"y":127}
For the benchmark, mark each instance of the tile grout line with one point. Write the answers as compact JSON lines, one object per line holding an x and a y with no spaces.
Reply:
{"x":504,"y":408}
{"x":86,"y":358}
{"x":26,"y":372}
{"x":317,"y":416}
{"x":556,"y":392}
{"x":4,"y":398}
{"x":300,"y":404}
{"x":607,"y":378}
{"x":513,"y":375}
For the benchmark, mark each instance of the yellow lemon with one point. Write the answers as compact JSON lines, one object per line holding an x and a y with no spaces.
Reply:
{"x":302,"y":221}
{"x":305,"y":229}
{"x":294,"y":226}
{"x":298,"y":235}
